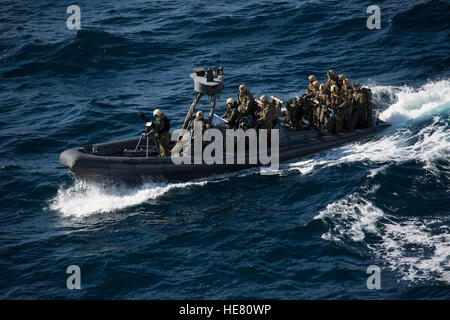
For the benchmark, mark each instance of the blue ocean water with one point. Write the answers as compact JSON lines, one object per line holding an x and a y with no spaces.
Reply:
{"x":309,"y":232}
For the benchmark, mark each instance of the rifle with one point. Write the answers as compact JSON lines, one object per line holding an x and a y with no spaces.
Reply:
{"x":259,"y":103}
{"x":277,"y":100}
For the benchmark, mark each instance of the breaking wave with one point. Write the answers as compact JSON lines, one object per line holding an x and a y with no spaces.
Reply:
{"x":412,"y":247}
{"x":415,"y":250}
{"x":356,"y":217}
{"x":86,"y":198}
{"x":410,"y":103}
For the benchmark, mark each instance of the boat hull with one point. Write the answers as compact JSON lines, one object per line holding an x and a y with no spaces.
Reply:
{"x":107,"y":162}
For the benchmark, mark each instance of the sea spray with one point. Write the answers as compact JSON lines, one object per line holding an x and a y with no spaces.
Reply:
{"x":86,"y":198}
{"x":413,"y":103}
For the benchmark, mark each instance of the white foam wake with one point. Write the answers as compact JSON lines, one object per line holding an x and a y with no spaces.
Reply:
{"x":84,"y":198}
{"x":410,"y":103}
{"x":417,"y":249}
{"x":355,"y":216}
{"x":428,"y":145}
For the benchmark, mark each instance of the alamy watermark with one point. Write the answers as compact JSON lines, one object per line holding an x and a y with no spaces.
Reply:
{"x":241,"y":147}
{"x":374,"y":20}
{"x":74,"y":280}
{"x":374,"y":280}
{"x":74,"y":20}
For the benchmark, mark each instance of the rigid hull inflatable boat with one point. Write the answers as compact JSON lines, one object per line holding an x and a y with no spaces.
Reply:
{"x":137,"y":159}
{"x":109,"y":160}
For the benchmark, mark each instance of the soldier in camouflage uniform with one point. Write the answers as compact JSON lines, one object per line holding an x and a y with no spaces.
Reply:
{"x":199,"y":116}
{"x":313,"y":106}
{"x":294,"y":113}
{"x":323,"y":103}
{"x":332,"y":78}
{"x":347,"y":94}
{"x":316,"y":85}
{"x":161,"y":127}
{"x":339,"y":105}
{"x":232,"y":112}
{"x":341,"y":81}
{"x":245,"y":120}
{"x":362,"y":111}
{"x":347,"y":89}
{"x":311,"y":89}
{"x":267,"y":116}
{"x":246,"y":99}
{"x":305,"y":103}
{"x":231,"y":105}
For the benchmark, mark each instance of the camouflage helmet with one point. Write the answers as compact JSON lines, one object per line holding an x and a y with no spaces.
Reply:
{"x":199,"y":114}
{"x":356,"y":86}
{"x":347,"y":82}
{"x":312,"y":78}
{"x":316,"y":84}
{"x":230,"y":100}
{"x":158,"y":113}
{"x":341,"y":77}
{"x":334,"y":88}
{"x":263,"y":98}
{"x":242,"y":88}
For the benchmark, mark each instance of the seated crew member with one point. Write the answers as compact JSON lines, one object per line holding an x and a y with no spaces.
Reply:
{"x":341,"y":80}
{"x":294,"y":113}
{"x":245,"y":120}
{"x":316,"y":86}
{"x":361,"y":105}
{"x":347,"y":89}
{"x":332,"y":78}
{"x":199,"y":116}
{"x":311,"y":88}
{"x":231,"y":105}
{"x":246,"y":99}
{"x":346,"y":92}
{"x":324,"y":102}
{"x":268,"y":113}
{"x":339,"y":105}
{"x":311,"y":104}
